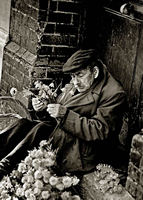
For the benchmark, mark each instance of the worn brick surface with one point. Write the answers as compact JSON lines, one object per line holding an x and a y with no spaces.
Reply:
{"x":135,"y":157}
{"x":134,"y":172}
{"x":131,"y":187}
{"x":89,"y":190}
{"x":139,"y":195}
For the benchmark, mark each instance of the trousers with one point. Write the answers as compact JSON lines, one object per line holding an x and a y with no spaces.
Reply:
{"x":21,"y":136}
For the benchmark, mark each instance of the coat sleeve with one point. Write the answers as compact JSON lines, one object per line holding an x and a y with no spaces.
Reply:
{"x":107,"y":118}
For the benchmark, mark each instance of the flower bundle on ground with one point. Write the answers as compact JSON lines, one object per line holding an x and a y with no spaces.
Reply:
{"x":107,"y":179}
{"x":34,"y":179}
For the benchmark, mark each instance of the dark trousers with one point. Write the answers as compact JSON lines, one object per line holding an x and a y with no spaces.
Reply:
{"x":21,"y":136}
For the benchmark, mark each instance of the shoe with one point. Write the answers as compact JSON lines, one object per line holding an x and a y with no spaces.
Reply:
{"x":4,"y":166}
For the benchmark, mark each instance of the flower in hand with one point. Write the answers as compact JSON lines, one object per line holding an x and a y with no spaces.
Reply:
{"x":39,"y":105}
{"x":56,"y":110}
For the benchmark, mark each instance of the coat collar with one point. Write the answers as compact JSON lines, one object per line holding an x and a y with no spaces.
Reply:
{"x":87,"y":97}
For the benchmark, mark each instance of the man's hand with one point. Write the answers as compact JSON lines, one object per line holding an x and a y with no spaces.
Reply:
{"x":56,"y":110}
{"x":38,"y":105}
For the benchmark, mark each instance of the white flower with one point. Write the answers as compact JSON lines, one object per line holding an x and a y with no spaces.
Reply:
{"x":65,"y":195}
{"x":30,"y":179}
{"x":75,"y":180}
{"x":51,"y":85}
{"x":37,"y":191}
{"x":67,"y":181}
{"x":28,"y":160}
{"x":53,"y":180}
{"x":28,"y":192}
{"x":38,"y":174}
{"x":50,"y":154}
{"x":32,"y":153}
{"x":45,"y":194}
{"x":47,"y":162}
{"x":36,"y":163}
{"x":60,"y":186}
{"x":22,"y":167}
{"x":20,"y":192}
{"x":38,"y":184}
{"x":31,"y":197}
{"x":13,"y":91}
{"x":76,"y":197}
{"x":39,"y":153}
{"x":26,"y":186}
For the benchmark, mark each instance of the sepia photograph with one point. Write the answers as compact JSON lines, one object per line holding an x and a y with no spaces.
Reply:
{"x":71,"y":100}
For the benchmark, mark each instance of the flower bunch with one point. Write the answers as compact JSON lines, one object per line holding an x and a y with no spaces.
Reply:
{"x":33,"y":178}
{"x":107,"y":179}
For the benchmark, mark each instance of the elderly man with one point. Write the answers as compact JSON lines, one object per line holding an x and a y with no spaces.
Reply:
{"x":84,"y":123}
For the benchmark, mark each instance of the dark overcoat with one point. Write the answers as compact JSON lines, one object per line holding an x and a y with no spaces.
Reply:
{"x":88,"y":134}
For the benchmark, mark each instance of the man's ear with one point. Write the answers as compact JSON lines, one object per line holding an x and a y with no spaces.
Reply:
{"x":96,"y":71}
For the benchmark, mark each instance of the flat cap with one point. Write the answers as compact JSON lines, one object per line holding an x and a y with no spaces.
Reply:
{"x":79,"y":59}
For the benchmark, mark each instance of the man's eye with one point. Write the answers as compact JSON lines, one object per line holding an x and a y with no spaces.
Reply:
{"x":81,"y":75}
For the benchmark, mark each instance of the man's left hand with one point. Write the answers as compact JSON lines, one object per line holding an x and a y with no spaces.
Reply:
{"x":56,"y":110}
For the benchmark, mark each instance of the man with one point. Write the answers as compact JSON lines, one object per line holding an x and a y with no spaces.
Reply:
{"x":84,"y":123}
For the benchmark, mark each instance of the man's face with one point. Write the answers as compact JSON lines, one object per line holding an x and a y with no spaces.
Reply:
{"x":82,"y":79}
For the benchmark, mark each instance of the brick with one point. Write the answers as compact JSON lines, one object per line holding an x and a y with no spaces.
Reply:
{"x":18,"y":17}
{"x":33,"y":35}
{"x":22,"y":30}
{"x":139,"y":195}
{"x":20,"y":52}
{"x":34,"y":13}
{"x":59,"y":17}
{"x":25,"y":20}
{"x":42,"y":15}
{"x":50,"y":28}
{"x":32,"y":47}
{"x":65,"y":28}
{"x":13,"y":47}
{"x":32,"y":23}
{"x":24,"y":42}
{"x":131,"y":186}
{"x":76,"y":20}
{"x":38,"y":72}
{"x":45,"y":50}
{"x":9,"y":58}
{"x":69,"y":7}
{"x":29,"y":57}
{"x":7,"y":68}
{"x":134,"y":172}
{"x":55,"y":39}
{"x":53,"y":5}
{"x":64,"y":50}
{"x":32,"y":3}
{"x":137,"y":142}
{"x":135,"y":157}
{"x":16,"y":37}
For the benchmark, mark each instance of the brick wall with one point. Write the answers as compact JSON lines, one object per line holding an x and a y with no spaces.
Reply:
{"x":43,"y":34}
{"x":134,"y":182}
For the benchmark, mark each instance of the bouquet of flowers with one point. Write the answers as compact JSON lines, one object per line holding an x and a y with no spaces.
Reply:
{"x":107,"y":179}
{"x":45,"y":92}
{"x":34,"y":178}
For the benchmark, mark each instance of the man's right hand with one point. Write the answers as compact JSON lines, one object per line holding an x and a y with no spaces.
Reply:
{"x":38,"y":105}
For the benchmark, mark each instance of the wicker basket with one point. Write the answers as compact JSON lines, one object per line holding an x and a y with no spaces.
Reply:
{"x":10,"y":110}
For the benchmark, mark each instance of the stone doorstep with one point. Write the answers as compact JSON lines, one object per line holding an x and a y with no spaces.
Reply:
{"x":89,"y":191}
